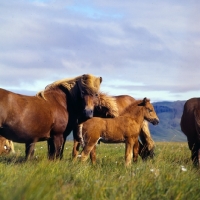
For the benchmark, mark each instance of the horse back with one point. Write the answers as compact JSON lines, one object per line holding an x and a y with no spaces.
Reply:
{"x":23,"y":117}
{"x":123,"y":101}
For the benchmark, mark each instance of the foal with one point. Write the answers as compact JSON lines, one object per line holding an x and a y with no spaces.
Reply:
{"x":123,"y":129}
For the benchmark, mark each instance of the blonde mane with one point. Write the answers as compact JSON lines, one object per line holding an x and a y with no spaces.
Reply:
{"x":110,"y":103}
{"x":87,"y":83}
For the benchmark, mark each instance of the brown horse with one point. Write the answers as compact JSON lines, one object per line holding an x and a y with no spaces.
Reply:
{"x":113,"y":106}
{"x":190,"y":125}
{"x":6,"y":146}
{"x":50,"y":115}
{"x":123,"y":129}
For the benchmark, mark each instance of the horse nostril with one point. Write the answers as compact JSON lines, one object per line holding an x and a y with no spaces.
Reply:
{"x":88,"y":113}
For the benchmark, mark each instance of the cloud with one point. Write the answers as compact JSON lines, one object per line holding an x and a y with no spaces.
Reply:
{"x":152,"y":45}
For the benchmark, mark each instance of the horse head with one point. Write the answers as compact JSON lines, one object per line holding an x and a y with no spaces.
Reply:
{"x":88,"y":104}
{"x":149,"y":112}
{"x":89,"y":87}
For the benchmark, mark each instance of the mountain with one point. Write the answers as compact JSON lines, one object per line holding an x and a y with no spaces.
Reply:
{"x":169,"y":114}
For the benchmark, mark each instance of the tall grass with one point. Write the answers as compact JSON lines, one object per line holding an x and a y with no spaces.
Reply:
{"x":170,"y":175}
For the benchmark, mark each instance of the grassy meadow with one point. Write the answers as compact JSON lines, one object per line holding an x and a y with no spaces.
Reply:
{"x":170,"y":175}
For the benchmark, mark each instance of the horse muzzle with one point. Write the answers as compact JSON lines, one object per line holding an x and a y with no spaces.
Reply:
{"x":88,"y":113}
{"x":155,"y":121}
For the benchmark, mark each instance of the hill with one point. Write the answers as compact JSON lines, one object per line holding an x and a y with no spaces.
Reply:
{"x":169,"y":114}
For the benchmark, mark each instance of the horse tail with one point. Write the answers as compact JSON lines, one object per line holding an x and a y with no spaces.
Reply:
{"x":145,"y":136}
{"x":79,"y":134}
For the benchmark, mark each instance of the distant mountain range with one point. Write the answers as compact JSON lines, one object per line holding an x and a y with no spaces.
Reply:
{"x":169,"y":114}
{"x":168,"y":129}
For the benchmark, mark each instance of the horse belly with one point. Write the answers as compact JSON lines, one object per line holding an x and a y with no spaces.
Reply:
{"x":114,"y":132}
{"x":23,"y":136}
{"x":23,"y":126}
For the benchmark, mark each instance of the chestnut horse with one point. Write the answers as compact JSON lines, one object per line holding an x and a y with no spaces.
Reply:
{"x":122,"y":129}
{"x":6,"y":146}
{"x":113,"y":106}
{"x":50,"y":115}
{"x":190,"y":125}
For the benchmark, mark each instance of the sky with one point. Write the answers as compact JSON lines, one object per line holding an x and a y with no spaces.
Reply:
{"x":140,"y":48}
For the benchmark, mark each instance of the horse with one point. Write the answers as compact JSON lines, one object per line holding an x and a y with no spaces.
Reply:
{"x":113,"y":106}
{"x":6,"y":146}
{"x":122,"y":129}
{"x":190,"y":126}
{"x":50,"y":115}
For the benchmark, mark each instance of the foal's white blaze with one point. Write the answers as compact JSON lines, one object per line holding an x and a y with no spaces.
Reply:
{"x":5,"y":147}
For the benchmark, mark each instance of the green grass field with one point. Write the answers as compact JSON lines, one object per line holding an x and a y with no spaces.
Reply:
{"x":170,"y":175}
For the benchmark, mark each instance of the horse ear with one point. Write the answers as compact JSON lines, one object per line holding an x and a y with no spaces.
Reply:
{"x":84,"y":77}
{"x":144,"y":101}
{"x":101,"y":79}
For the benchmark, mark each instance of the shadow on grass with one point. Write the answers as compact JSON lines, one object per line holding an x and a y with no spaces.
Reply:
{"x":12,"y":159}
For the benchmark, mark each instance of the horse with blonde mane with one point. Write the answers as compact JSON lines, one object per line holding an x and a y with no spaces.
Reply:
{"x":50,"y":115}
{"x":6,"y":146}
{"x":114,"y":106}
{"x":122,"y":129}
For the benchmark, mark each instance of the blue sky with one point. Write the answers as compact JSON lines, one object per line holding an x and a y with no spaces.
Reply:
{"x":141,"y":48}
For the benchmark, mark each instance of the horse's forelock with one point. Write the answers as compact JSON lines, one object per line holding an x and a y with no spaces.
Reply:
{"x":90,"y":84}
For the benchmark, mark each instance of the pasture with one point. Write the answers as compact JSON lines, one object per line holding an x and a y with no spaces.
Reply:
{"x":170,"y":175}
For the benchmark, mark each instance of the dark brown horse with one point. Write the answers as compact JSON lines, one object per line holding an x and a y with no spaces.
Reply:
{"x":190,"y":125}
{"x":122,"y":129}
{"x":113,"y":106}
{"x":50,"y":115}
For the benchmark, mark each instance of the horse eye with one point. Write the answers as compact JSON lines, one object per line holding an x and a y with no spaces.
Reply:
{"x":96,"y":95}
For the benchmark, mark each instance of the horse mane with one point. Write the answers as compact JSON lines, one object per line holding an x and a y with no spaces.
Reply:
{"x":108,"y":102}
{"x":87,"y":83}
{"x":139,"y":102}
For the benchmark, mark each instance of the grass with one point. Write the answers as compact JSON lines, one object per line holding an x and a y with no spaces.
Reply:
{"x":170,"y":175}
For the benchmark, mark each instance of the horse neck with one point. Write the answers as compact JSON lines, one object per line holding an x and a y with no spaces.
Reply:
{"x":57,"y":96}
{"x":74,"y":93}
{"x":136,"y":112}
{"x":73,"y":99}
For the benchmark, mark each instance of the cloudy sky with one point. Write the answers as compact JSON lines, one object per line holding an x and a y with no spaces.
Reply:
{"x":143,"y":48}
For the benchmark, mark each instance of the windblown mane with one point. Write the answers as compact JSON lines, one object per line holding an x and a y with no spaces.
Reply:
{"x":87,"y":83}
{"x":108,"y":102}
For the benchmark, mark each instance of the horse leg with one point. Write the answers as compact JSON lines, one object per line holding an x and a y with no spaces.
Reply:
{"x":62,"y":149}
{"x":128,"y":151}
{"x":55,"y":146}
{"x":75,"y":149}
{"x":78,"y":140}
{"x":58,"y":142}
{"x":86,"y":151}
{"x":193,"y":146}
{"x":29,"y":150}
{"x":93,"y":155}
{"x":51,"y":149}
{"x":135,"y":150}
